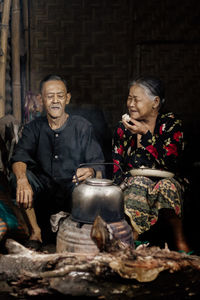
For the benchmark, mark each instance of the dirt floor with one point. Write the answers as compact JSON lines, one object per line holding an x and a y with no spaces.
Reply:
{"x":166,"y":286}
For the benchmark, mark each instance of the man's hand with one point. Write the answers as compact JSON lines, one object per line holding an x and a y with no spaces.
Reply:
{"x":24,"y":193}
{"x":136,"y":127}
{"x":83,"y":173}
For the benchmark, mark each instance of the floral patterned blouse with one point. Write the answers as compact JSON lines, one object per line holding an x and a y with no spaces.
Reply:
{"x":160,"y":150}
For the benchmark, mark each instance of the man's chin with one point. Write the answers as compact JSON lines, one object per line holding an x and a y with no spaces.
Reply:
{"x":54,"y":116}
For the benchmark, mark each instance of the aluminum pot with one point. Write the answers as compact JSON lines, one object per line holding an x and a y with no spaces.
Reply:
{"x":97,"y":197}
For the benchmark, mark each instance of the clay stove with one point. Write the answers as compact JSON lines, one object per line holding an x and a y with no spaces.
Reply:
{"x":75,"y":237}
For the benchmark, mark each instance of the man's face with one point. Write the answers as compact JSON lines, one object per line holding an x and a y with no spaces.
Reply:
{"x":55,"y":98}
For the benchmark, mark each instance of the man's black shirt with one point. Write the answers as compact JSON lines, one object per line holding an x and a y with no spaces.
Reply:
{"x":58,"y":153}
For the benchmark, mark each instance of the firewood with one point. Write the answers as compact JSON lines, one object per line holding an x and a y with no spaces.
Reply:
{"x":81,"y":274}
{"x":104,"y":237}
{"x":128,"y":265}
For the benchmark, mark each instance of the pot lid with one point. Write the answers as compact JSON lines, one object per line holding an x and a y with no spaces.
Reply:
{"x":99,"y":181}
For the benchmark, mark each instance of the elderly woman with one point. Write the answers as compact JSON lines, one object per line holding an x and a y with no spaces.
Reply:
{"x":150,"y":139}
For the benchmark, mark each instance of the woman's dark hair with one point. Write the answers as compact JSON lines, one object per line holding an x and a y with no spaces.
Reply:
{"x":154,"y":87}
{"x":52,"y":77}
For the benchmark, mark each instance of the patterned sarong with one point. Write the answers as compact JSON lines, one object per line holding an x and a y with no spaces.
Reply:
{"x":144,"y":198}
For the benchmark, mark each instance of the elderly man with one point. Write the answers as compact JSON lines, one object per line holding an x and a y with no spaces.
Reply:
{"x":49,"y":153}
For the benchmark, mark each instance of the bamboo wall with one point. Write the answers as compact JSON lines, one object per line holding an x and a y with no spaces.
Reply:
{"x":8,"y":82}
{"x":99,"y":45}
{"x":87,"y":43}
{"x":10,"y":67}
{"x":4,"y":57}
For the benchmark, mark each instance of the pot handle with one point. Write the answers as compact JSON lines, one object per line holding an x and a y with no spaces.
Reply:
{"x":95,"y":164}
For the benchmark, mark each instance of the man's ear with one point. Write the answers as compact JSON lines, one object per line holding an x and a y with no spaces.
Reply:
{"x":156,"y":101}
{"x":39,"y":96}
{"x":68,"y":98}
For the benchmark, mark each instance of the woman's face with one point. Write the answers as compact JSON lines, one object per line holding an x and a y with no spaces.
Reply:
{"x":139,"y":105}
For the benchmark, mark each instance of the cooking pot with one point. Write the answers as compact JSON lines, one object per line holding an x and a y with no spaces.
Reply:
{"x":102,"y":197}
{"x":95,"y":197}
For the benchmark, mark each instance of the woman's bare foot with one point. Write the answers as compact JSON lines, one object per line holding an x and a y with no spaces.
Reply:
{"x":182,"y":245}
{"x":176,"y":225}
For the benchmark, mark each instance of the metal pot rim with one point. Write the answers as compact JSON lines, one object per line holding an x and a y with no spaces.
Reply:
{"x":98,"y":181}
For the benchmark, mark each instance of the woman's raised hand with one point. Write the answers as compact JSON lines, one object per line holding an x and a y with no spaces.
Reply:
{"x":136,"y":127}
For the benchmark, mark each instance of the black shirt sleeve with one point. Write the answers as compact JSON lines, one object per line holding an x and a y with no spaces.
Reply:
{"x":26,"y":148}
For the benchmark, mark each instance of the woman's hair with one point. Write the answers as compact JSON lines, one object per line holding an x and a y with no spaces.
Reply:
{"x":52,"y":77}
{"x":153,"y":87}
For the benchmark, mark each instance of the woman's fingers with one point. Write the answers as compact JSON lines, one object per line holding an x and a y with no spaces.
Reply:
{"x":136,"y":127}
{"x":131,"y":127}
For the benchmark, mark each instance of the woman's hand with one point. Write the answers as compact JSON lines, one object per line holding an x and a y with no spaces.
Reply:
{"x":136,"y":127}
{"x":83,"y":173}
{"x":24,"y":194}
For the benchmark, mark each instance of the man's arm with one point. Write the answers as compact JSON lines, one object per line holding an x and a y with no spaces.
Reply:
{"x":24,"y":192}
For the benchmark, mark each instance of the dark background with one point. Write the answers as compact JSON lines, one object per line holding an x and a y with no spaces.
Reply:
{"x":98,"y":45}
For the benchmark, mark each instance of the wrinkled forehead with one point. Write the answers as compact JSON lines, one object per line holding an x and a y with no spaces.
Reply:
{"x":138,"y":89}
{"x":54,"y":86}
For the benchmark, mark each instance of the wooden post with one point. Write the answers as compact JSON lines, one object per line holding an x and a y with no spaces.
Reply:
{"x":3,"y":54}
{"x":16,"y":84}
{"x":26,"y":42}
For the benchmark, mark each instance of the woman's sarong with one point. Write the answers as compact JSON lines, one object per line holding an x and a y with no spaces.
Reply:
{"x":144,"y":197}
